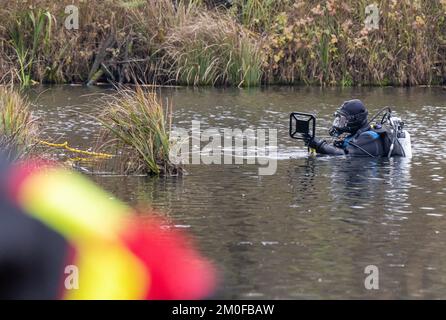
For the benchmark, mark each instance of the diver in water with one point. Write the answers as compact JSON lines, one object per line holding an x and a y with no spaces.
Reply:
{"x":359,"y":137}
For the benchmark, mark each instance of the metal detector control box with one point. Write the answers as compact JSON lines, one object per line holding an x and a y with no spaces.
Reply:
{"x":302,"y":126}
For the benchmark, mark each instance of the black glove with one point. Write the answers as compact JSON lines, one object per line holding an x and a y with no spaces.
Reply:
{"x":315,"y":143}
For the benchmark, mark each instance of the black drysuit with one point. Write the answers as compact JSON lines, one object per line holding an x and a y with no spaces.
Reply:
{"x":365,"y":142}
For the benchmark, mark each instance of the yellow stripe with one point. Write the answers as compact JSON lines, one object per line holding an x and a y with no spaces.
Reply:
{"x":108,"y":272}
{"x":86,"y":216}
{"x":72,"y":205}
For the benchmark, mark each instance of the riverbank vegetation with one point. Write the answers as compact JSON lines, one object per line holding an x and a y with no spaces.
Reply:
{"x":135,"y":135}
{"x":18,"y":129}
{"x":237,"y":43}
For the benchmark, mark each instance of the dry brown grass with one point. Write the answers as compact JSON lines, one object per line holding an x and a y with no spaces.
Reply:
{"x":18,"y":130}
{"x":326,"y":42}
{"x":156,"y":41}
{"x":211,"y":49}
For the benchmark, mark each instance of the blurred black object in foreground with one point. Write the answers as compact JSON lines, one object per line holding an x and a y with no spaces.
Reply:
{"x":31,"y":255}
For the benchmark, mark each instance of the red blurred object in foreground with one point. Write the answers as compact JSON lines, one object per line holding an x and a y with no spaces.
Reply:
{"x":176,"y":268}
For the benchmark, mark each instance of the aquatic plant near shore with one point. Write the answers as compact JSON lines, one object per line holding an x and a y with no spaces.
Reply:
{"x":18,"y":130}
{"x":136,"y":129}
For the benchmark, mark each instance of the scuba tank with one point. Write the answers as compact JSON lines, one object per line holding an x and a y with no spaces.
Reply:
{"x":397,"y":139}
{"x":401,"y":137}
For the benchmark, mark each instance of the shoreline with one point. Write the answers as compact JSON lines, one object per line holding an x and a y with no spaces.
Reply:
{"x":261,"y":86}
{"x":248,"y":44}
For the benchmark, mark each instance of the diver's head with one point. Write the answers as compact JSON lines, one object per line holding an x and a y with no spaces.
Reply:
{"x":350,"y":117}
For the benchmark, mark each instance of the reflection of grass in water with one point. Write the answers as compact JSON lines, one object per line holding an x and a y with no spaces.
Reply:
{"x":136,"y":127}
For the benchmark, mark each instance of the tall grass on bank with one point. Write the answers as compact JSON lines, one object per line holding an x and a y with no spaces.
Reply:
{"x":211,"y":42}
{"x":25,"y":44}
{"x":136,"y":128}
{"x":213,"y":50}
{"x":18,"y":130}
{"x":111,"y":41}
{"x":258,"y":15}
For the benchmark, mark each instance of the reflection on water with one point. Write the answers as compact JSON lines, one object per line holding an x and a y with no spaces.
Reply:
{"x":309,"y":230}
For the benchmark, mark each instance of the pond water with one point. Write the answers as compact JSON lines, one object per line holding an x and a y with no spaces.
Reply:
{"x":309,"y":230}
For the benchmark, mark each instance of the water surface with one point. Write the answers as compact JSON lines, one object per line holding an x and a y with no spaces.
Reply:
{"x":309,"y":230}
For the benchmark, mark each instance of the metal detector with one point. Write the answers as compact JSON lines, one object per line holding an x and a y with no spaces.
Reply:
{"x":302,"y":126}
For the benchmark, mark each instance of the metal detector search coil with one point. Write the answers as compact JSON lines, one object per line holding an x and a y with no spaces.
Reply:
{"x":302,"y":126}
